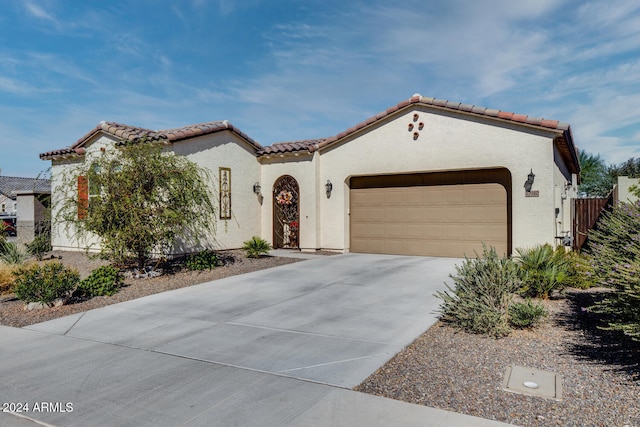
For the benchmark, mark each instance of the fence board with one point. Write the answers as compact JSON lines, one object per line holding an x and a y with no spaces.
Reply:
{"x":586,"y":213}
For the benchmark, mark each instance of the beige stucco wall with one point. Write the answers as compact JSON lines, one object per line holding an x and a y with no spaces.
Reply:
{"x":624,"y":182}
{"x":222,"y":149}
{"x":63,"y":234}
{"x":226,"y":149}
{"x":565,"y":189}
{"x":448,"y":141}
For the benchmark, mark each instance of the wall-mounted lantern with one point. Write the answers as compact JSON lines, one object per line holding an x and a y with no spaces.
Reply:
{"x":328,"y":188}
{"x":529,"y":183}
{"x":256,"y":188}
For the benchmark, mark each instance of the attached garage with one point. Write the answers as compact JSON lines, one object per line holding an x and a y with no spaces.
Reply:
{"x":434,"y":214}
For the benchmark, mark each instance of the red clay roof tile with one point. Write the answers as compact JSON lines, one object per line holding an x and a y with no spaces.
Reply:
{"x":127,"y":132}
{"x":172,"y":135}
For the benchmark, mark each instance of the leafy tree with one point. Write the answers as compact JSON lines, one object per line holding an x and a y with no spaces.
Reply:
{"x":140,"y":200}
{"x":596,"y":181}
{"x":630,"y":168}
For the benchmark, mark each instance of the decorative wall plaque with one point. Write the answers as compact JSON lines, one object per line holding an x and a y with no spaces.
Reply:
{"x":225,"y":193}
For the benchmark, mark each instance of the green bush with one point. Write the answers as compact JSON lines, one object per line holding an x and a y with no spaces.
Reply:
{"x":580,"y":269}
{"x":103,"y":281}
{"x":256,"y":247}
{"x":10,"y":253}
{"x":614,"y":249}
{"x":39,"y":246}
{"x":484,"y":289}
{"x":542,"y":270}
{"x":526,"y":314}
{"x":203,"y":260}
{"x":44,"y":283}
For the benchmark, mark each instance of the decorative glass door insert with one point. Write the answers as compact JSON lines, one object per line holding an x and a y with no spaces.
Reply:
{"x":286,"y":213}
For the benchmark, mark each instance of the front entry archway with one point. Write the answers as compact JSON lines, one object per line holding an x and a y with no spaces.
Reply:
{"x":286,"y":213}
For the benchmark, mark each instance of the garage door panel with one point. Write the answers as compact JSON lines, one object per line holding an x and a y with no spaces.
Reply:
{"x":450,"y":214}
{"x":473,"y":213}
{"x":476,"y":232}
{"x":497,"y":214}
{"x":414,"y":214}
{"x":392,"y":230}
{"x":445,"y":220}
{"x":443,"y":232}
{"x":497,"y":231}
{"x":452,"y":197}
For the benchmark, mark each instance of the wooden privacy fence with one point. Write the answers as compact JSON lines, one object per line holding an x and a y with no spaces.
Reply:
{"x":586,"y":213}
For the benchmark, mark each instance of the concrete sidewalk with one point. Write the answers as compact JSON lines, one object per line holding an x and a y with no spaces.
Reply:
{"x":277,"y":347}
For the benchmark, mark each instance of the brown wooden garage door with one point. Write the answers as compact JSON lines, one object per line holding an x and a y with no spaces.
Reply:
{"x":437,"y":220}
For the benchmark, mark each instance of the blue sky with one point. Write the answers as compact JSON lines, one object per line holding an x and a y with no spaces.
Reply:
{"x":284,"y":70}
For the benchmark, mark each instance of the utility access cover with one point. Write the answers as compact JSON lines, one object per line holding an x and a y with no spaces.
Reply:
{"x":532,"y":382}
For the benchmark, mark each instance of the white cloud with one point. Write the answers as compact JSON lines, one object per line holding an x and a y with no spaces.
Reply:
{"x":39,"y":12}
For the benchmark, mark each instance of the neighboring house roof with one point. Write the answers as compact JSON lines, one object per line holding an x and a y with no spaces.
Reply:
{"x":565,"y":142}
{"x":9,"y":185}
{"x":133,"y":133}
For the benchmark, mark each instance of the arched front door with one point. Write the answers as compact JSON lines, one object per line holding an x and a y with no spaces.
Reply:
{"x":286,"y":213}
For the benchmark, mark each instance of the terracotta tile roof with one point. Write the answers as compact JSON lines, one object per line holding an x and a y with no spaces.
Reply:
{"x":289,"y":147}
{"x":566,"y":145}
{"x":9,"y":185}
{"x":126,"y":132}
{"x":449,"y":105}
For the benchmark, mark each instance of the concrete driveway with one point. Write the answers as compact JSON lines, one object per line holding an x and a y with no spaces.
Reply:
{"x":272,"y":348}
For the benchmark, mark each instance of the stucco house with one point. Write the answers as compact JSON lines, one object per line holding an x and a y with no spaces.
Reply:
{"x":11,"y":187}
{"x":424,"y":177}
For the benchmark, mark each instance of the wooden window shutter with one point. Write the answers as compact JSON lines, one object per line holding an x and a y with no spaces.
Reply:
{"x":83,"y":197}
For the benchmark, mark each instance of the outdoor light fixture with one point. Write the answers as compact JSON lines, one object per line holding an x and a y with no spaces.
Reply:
{"x":529,"y":183}
{"x":328,"y":187}
{"x":257,"y":188}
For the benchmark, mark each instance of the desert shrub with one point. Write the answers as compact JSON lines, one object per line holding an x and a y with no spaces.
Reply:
{"x":39,"y":246}
{"x":614,"y":249}
{"x":580,"y":271}
{"x":103,"y":281}
{"x":542,"y":270}
{"x":484,"y":289}
{"x":256,"y":247}
{"x":203,"y":260}
{"x":10,"y":253}
{"x":6,"y":278}
{"x":526,"y":314}
{"x":44,"y":282}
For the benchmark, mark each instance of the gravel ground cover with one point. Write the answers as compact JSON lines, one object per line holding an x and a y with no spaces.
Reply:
{"x":12,"y":312}
{"x":463,"y":372}
{"x":449,"y":369}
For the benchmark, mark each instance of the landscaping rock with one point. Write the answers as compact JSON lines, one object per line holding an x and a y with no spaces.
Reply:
{"x":39,"y":306}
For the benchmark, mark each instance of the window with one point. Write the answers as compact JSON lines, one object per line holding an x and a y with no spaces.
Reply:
{"x":4,"y":208}
{"x":225,"y":193}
